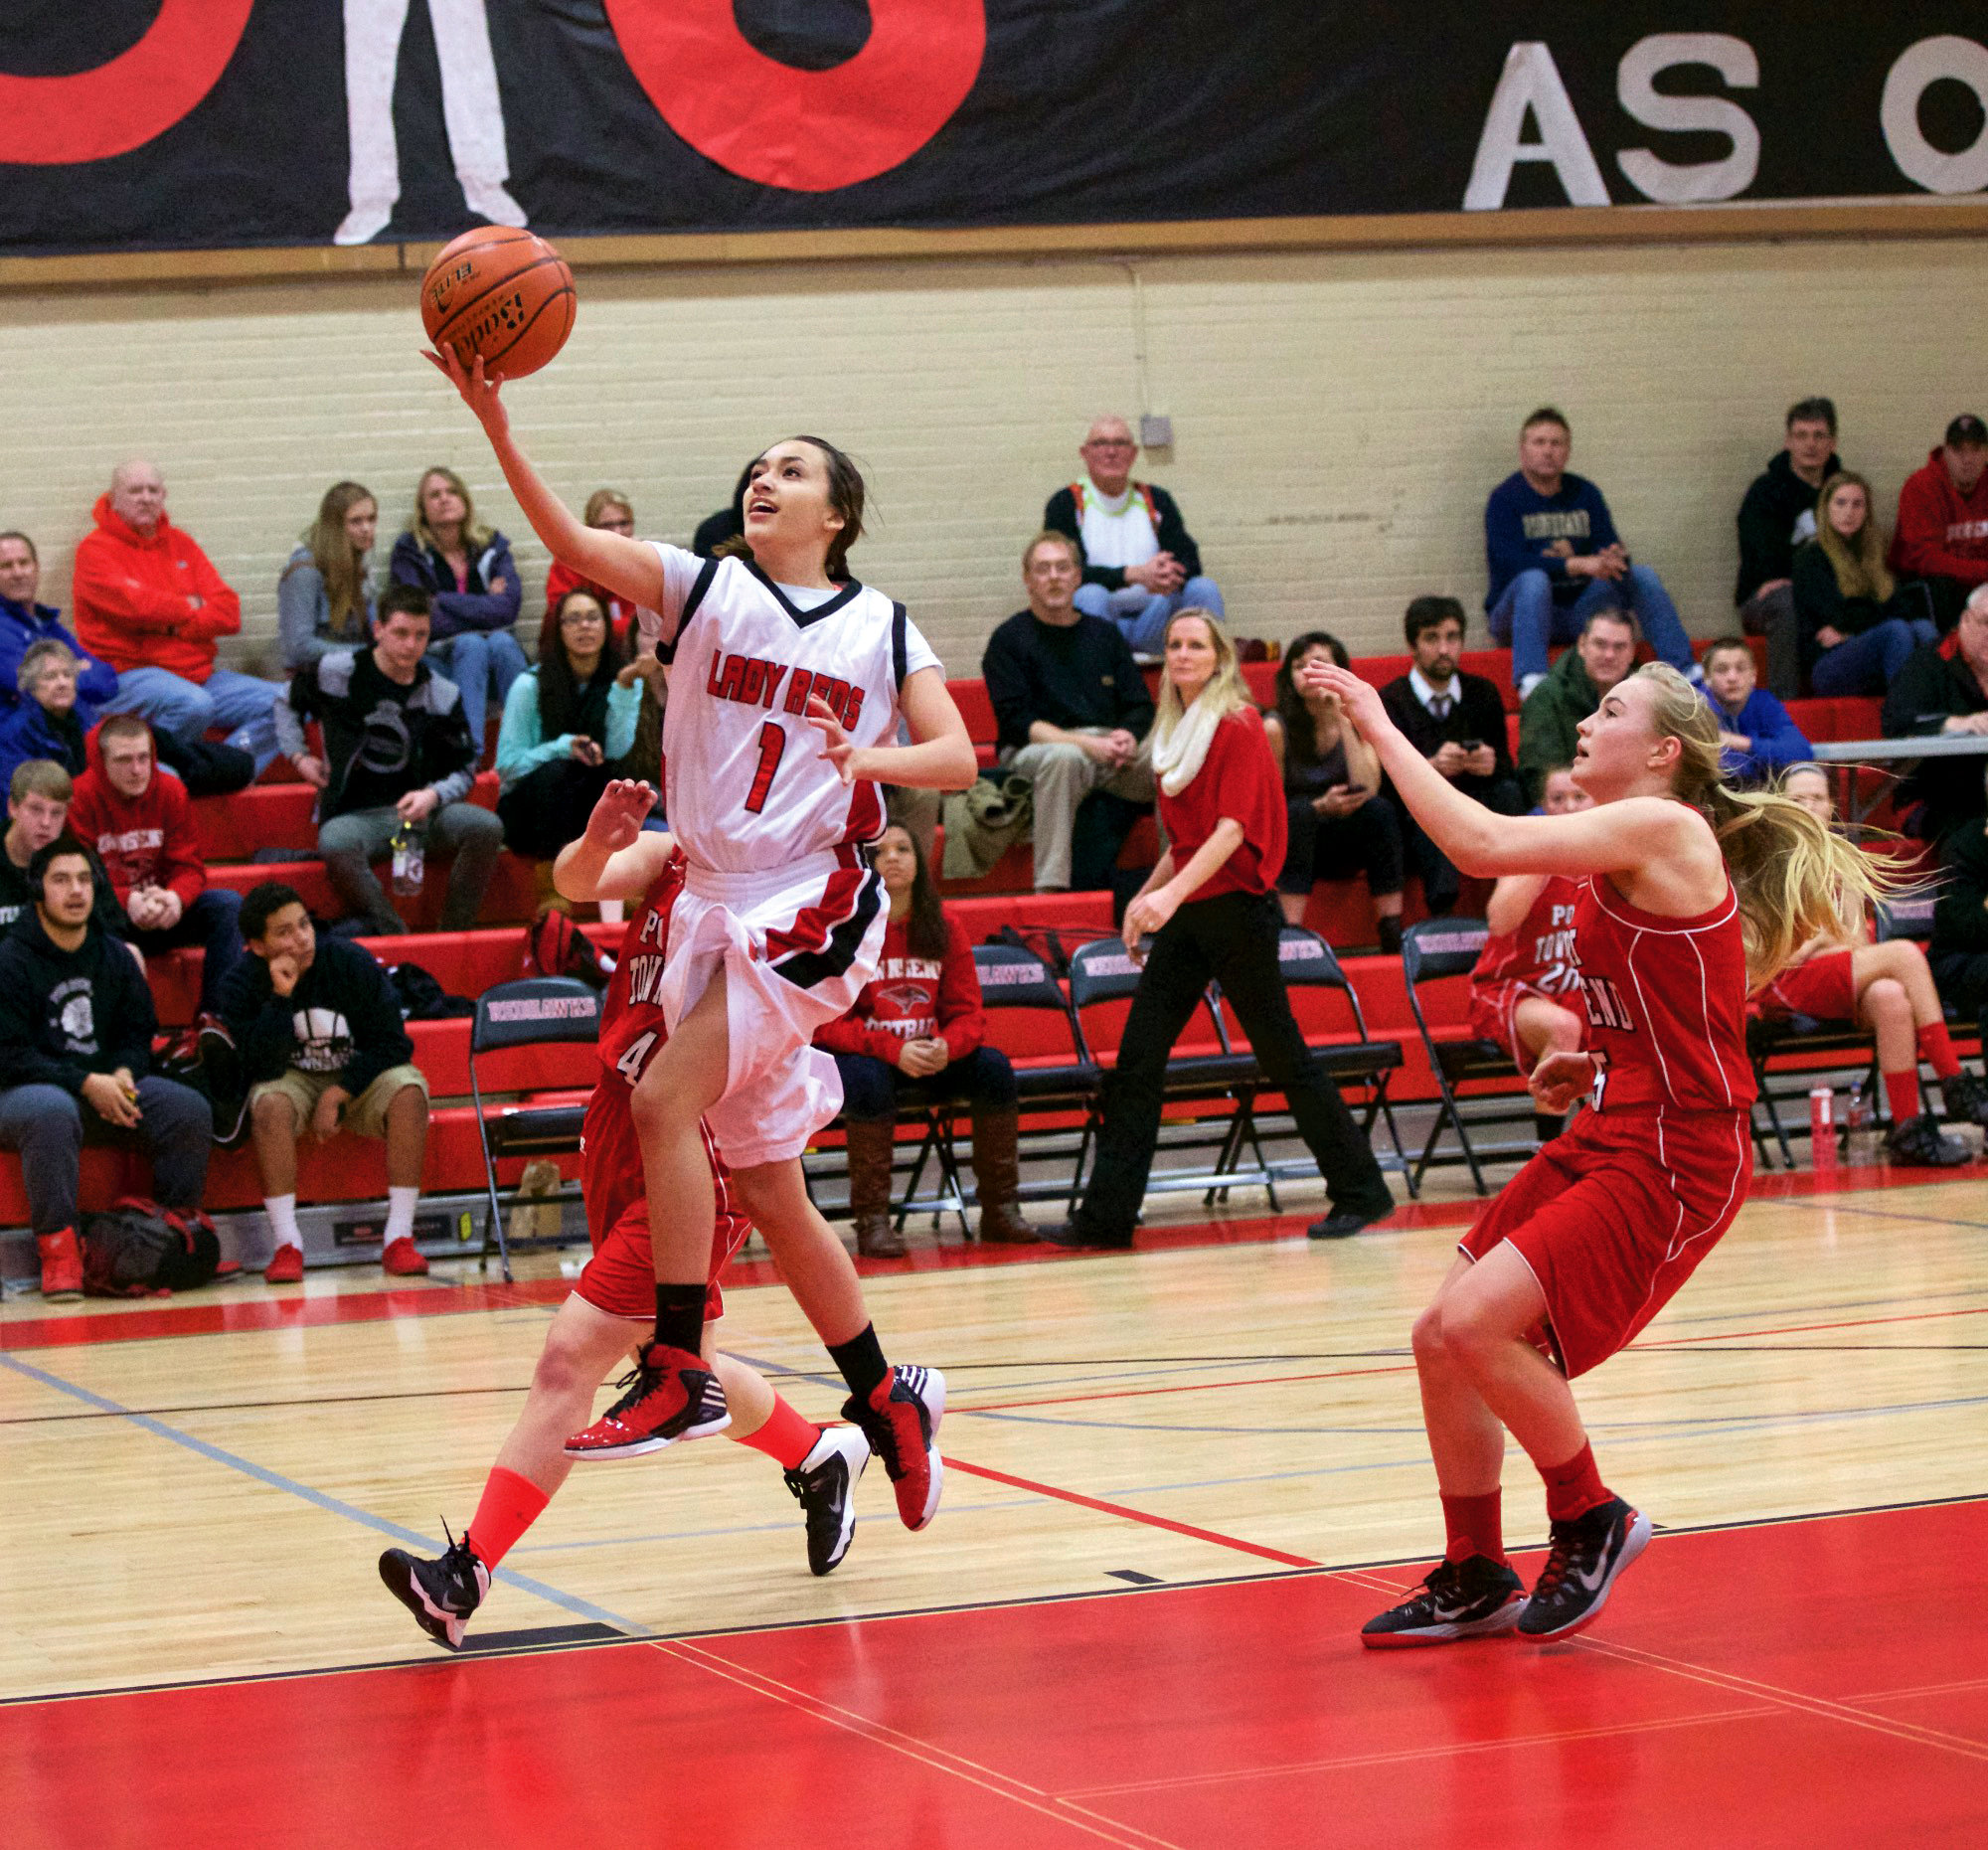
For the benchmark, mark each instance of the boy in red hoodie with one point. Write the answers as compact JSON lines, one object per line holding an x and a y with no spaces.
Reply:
{"x":1943,"y":534}
{"x":139,"y":820}
{"x":150,"y":603}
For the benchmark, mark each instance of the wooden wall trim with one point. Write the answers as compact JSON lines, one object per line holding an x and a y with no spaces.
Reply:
{"x":1541,"y":229}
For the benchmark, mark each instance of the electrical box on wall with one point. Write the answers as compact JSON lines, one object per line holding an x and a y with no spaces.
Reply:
{"x":1156,"y":432}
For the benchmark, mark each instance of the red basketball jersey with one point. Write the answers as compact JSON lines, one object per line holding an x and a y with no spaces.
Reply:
{"x":631,"y":1019}
{"x":1540,"y":953}
{"x":1666,"y":1002}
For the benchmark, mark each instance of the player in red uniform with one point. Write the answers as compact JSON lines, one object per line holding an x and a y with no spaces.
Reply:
{"x":1888,"y":989}
{"x":1689,"y":891}
{"x":597,"y":1325}
{"x":790,"y":683}
{"x":1523,"y":990}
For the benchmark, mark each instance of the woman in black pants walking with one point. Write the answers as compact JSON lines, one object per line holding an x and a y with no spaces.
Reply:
{"x":1212,"y":907}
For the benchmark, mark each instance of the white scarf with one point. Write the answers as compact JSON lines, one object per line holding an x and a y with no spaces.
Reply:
{"x":1180,"y":752}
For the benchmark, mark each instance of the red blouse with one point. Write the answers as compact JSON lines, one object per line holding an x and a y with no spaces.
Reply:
{"x":1238,"y":778}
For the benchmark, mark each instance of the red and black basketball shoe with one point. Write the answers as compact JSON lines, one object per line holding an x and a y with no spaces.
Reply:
{"x":901,"y":1421}
{"x":669,"y":1395}
{"x":1473,"y":1598}
{"x":1584,"y":1557}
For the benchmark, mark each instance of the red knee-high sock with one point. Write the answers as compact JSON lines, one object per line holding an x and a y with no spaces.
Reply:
{"x":1936,"y":1050}
{"x":786,"y":1437}
{"x":1476,"y":1526}
{"x":1902,"y":1093}
{"x":1576,"y":1487}
{"x":510,"y":1505}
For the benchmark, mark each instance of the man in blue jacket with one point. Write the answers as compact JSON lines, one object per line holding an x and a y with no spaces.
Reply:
{"x":24,"y":622}
{"x":1760,"y":738}
{"x":1555,"y":557}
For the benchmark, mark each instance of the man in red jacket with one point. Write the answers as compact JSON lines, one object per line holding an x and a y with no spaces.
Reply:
{"x":150,"y":603}
{"x":139,"y":819}
{"x":1943,"y":534}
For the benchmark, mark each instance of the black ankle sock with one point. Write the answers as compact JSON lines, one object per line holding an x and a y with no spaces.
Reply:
{"x":680,"y":1315}
{"x":860,"y":1360}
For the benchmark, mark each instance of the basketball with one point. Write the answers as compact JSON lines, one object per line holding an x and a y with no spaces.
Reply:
{"x":503,"y":293}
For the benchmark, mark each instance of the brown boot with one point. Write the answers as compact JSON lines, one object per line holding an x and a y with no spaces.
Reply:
{"x":62,"y":1264}
{"x":871,"y":1147}
{"x":996,"y":1182}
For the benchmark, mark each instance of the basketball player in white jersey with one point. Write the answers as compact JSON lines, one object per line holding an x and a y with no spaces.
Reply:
{"x":788,"y":684}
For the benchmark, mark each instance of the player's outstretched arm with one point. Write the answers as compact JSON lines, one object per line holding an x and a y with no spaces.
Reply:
{"x":943,"y":757}
{"x":628,"y":567}
{"x":615,"y":859}
{"x":1623,"y":837}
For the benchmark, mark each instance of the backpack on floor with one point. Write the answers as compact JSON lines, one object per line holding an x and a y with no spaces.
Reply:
{"x":139,"y":1248}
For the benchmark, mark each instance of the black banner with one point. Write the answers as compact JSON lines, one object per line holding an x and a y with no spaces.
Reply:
{"x":130,"y":124}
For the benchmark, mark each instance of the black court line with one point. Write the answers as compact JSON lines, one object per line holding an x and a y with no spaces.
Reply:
{"x":436,"y":1658}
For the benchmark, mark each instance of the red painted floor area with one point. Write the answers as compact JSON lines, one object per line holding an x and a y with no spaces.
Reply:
{"x":1819,"y":1683}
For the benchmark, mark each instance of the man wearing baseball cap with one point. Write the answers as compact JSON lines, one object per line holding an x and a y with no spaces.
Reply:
{"x":1942,"y":531}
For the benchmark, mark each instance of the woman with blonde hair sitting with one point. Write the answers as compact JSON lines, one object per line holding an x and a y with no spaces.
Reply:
{"x":1211,"y":905}
{"x":1857,"y":630}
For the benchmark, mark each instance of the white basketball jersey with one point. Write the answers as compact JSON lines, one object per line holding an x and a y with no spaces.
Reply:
{"x":745,"y":788}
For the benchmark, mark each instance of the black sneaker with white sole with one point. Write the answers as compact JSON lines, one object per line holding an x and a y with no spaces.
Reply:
{"x":824,"y":1484}
{"x":1965,"y":1098}
{"x":1583,"y":1560}
{"x":441,"y":1594}
{"x":1920,"y":1143}
{"x":1474,"y":1598}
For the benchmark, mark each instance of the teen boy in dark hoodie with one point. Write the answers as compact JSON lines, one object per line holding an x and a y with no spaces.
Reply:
{"x":75,"y":1045}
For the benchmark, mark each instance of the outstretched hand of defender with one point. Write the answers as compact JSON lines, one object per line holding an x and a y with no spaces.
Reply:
{"x":618,"y":815}
{"x":1559,"y":1079}
{"x":1359,"y":701}
{"x":836,"y":745}
{"x":478,"y":393}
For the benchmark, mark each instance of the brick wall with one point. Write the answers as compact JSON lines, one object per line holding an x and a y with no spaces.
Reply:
{"x":1339,"y":419}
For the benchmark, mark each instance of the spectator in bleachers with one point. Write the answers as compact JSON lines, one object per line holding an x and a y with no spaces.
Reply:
{"x":567,"y":723}
{"x":1776,"y":516}
{"x":1958,"y":953}
{"x":324,"y":598}
{"x":25,"y":622}
{"x":919,"y":1019}
{"x":1209,"y":909}
{"x":1549,"y":722}
{"x":1944,"y":688}
{"x":1073,"y":712}
{"x":50,"y":721}
{"x":1555,"y":559}
{"x":322,"y":1048}
{"x":397,"y":757}
{"x":1458,"y":721}
{"x":38,"y":799}
{"x":474,"y":594}
{"x":1337,"y":823}
{"x":1758,"y":732}
{"x":1140,"y":563}
{"x":1858,"y":626}
{"x":1889,"y":990}
{"x":139,"y":819}
{"x":76,"y":1048}
{"x":612,"y":512}
{"x":149,"y":603}
{"x":1943,"y":535}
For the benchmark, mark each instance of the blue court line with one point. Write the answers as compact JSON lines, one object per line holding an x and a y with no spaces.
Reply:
{"x":275,"y":1480}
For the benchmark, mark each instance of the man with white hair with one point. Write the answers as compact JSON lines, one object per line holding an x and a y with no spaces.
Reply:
{"x":1944,"y":688}
{"x":150,"y":603}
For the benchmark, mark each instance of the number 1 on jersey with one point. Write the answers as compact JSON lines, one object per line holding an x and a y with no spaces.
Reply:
{"x":772,"y":742}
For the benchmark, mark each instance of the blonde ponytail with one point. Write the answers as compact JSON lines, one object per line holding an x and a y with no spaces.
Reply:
{"x":1793,"y":876}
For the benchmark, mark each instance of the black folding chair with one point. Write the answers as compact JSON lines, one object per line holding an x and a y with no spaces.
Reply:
{"x":1432,"y":951}
{"x":536,"y":1011}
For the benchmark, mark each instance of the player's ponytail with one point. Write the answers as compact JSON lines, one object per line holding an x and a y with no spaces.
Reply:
{"x":1793,"y":876}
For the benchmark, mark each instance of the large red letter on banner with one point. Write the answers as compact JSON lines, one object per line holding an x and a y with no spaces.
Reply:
{"x":808,"y":130}
{"x":134,"y":98}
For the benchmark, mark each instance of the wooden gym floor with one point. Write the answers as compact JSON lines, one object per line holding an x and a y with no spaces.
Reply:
{"x":1178,"y":1483}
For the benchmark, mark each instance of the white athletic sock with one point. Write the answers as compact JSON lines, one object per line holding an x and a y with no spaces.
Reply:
{"x":400,"y":1214}
{"x":283,"y":1213}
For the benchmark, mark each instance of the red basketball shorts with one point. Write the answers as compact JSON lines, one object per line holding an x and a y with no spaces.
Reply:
{"x":1615,"y":1214}
{"x":620,"y":1278}
{"x":1822,"y":987}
